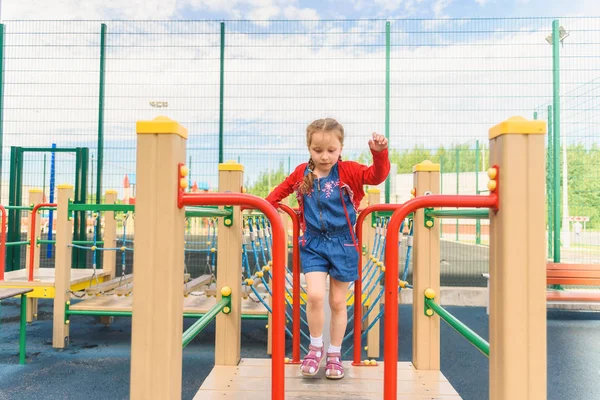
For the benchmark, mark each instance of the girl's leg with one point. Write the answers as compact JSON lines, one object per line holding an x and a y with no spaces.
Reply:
{"x":339,"y":319}
{"x":338,"y":291}
{"x":315,"y":289}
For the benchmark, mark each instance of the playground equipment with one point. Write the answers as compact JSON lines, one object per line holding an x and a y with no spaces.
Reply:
{"x":151,"y":374}
{"x":43,"y":280}
{"x":111,"y":304}
{"x":517,"y":320}
{"x":8,"y":293}
{"x":110,"y":295}
{"x":517,"y":309}
{"x":17,"y":155}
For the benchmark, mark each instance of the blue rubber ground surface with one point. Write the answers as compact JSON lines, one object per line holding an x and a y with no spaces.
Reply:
{"x":96,"y":364}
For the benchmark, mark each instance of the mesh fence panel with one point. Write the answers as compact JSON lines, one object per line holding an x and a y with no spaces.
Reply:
{"x":450,"y":81}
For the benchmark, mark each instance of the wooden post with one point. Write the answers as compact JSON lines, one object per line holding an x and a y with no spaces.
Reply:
{"x":62,"y":266}
{"x":109,"y":258}
{"x":374,"y":197}
{"x":157,"y":328}
{"x":228,"y":330}
{"x":518,"y":262}
{"x":426,"y":271}
{"x":35,"y":197}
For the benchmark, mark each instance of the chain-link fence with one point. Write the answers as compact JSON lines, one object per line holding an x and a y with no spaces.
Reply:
{"x":247,"y":89}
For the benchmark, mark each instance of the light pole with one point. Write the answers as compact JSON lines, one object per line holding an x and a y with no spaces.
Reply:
{"x":557,"y":37}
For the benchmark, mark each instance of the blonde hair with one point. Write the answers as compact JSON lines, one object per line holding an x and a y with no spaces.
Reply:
{"x":328,"y":125}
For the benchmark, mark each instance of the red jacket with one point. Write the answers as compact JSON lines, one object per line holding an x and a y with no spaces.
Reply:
{"x":353,"y":176}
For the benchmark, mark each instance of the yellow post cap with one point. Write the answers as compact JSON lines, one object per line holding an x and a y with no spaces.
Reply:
{"x":426,"y":166}
{"x":225,"y":291}
{"x":111,"y":191}
{"x":65,"y":186}
{"x":35,"y":190}
{"x":518,"y":126}
{"x":161,"y":125}
{"x":231,"y":166}
{"x":373,"y":190}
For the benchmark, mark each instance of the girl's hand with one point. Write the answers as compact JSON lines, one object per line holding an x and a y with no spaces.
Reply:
{"x":378,"y":142}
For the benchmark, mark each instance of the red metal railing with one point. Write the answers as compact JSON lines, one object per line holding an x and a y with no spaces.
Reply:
{"x":279,"y":251}
{"x":32,"y":238}
{"x":295,"y":283}
{"x":3,"y":244}
{"x":390,"y":359}
{"x":358,"y":283}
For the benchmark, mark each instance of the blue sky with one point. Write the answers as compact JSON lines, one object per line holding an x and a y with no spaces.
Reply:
{"x":292,"y":9}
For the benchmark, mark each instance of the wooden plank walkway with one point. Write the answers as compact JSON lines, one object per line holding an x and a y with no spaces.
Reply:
{"x":191,"y":304}
{"x":251,"y":380}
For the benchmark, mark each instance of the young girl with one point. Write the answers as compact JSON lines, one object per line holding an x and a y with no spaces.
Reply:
{"x":329,"y":192}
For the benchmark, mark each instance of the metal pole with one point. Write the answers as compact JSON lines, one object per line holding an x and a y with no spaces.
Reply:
{"x":556,"y":124}
{"x":44,"y":179}
{"x":22,"y":327}
{"x":460,"y":327}
{"x":1,"y":99}
{"x":51,"y":197}
{"x":549,"y":188}
{"x":477,"y":222}
{"x":457,"y":172}
{"x":387,"y":101}
{"x":222,"y":92}
{"x":100,"y":160}
{"x":441,"y":191}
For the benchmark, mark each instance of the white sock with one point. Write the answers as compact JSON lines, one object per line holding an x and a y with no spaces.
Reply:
{"x":334,"y":349}
{"x":316,"y":341}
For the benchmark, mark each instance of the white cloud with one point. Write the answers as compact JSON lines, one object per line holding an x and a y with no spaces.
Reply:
{"x":482,"y":2}
{"x":88,"y":9}
{"x":292,"y":12}
{"x":389,"y":5}
{"x":439,"y":6}
{"x":153,"y":9}
{"x":253,"y":9}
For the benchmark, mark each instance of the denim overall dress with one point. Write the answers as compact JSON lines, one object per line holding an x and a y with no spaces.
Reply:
{"x":327,"y":245}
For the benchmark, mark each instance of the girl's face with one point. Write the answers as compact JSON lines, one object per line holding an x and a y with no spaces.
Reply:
{"x":325,"y":149}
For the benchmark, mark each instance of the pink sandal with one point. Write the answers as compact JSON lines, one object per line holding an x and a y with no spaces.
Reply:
{"x":312,"y":361}
{"x":333,"y":367}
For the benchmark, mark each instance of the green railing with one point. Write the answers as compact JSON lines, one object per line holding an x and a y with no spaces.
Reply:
{"x":21,"y":243}
{"x":463,"y":214}
{"x":431,"y":306}
{"x":189,"y":212}
{"x":101,"y":207}
{"x":207,"y":212}
{"x":108,"y":313}
{"x":198,"y":326}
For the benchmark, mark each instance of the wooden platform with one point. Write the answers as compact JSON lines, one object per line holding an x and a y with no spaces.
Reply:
{"x":45,"y":276}
{"x":191,"y":304}
{"x":43,"y":280}
{"x":251,"y":380}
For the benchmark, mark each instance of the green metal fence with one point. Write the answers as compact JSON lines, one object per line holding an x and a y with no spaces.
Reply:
{"x":247,"y":89}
